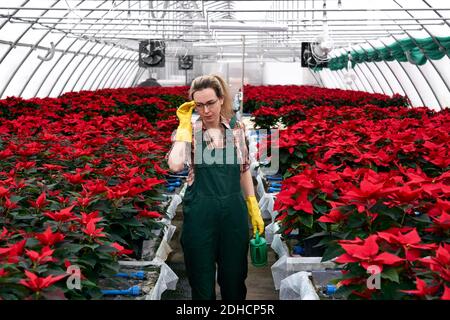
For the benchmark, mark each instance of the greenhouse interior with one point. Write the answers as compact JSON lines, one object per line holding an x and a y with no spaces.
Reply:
{"x":317,"y":131}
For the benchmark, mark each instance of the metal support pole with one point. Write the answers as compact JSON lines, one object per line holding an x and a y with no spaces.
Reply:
{"x":12,"y":74}
{"x":56,"y":63}
{"x":110,"y":70}
{"x":407,"y":75}
{"x":390,"y":69}
{"x":368,"y":65}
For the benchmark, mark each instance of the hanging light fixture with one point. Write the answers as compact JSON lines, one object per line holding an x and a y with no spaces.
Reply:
{"x":349,"y":76}
{"x":323,"y":44}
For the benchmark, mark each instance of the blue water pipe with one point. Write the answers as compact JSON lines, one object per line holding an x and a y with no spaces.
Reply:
{"x":274,"y":178}
{"x":133,"y":291}
{"x":183,"y":173}
{"x":177,"y":175}
{"x":133,"y":275}
{"x":275,"y":185}
{"x":330,"y":289}
{"x":272,"y":189}
{"x":298,"y":250}
{"x":174,"y":184}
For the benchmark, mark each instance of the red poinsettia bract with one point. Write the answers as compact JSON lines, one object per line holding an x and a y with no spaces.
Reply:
{"x":366,"y":252}
{"x":37,"y":284}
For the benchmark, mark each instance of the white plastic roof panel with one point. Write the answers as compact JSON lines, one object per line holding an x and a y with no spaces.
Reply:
{"x":79,"y":75}
{"x":96,"y":40}
{"x":443,"y":66}
{"x":364,"y":78}
{"x":406,"y":82}
{"x":435,"y":81}
{"x":395,"y":86}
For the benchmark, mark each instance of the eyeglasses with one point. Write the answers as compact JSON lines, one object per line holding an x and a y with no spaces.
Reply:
{"x":208,"y":104}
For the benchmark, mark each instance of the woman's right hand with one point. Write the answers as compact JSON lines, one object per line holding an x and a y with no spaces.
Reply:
{"x":184,"y":114}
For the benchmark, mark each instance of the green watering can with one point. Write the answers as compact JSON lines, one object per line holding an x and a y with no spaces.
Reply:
{"x":258,"y":251}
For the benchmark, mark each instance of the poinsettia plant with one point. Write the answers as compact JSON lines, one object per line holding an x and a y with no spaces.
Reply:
{"x":80,"y":185}
{"x":265,"y":118}
{"x":292,"y":114}
{"x":356,"y":174}
{"x":407,"y":267}
{"x":277,"y":96}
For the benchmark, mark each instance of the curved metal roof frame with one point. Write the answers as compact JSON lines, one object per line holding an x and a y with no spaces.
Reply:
{"x":96,"y":40}
{"x":420,"y":81}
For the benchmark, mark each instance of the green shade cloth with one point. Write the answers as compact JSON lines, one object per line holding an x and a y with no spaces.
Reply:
{"x":416,"y":51}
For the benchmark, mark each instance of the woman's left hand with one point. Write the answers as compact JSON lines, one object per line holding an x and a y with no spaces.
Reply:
{"x":255,"y":215}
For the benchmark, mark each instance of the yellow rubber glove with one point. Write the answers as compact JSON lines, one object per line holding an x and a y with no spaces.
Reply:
{"x":255,"y":215}
{"x":184,"y":114}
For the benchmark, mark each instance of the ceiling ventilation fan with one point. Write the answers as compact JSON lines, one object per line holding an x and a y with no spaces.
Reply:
{"x":322,"y":46}
{"x":152,"y":54}
{"x":317,"y":53}
{"x":186,"y":62}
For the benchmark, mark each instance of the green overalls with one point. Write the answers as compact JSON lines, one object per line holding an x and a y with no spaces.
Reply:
{"x":215,"y":230}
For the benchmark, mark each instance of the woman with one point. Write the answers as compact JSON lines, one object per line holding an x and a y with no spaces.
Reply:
{"x":215,"y":227}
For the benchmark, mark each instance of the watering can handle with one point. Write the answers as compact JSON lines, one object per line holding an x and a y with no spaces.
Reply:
{"x":257,"y":236}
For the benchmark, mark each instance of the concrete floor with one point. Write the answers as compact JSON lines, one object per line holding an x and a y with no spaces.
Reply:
{"x":259,"y":281}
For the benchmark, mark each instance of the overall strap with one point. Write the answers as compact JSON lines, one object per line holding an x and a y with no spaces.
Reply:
{"x":233,"y":122}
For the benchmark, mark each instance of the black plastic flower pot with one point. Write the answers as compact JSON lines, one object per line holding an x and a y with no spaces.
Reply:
{"x":137,"y":248}
{"x":311,"y":248}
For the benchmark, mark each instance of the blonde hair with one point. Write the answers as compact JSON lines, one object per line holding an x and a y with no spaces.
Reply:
{"x":219,"y":86}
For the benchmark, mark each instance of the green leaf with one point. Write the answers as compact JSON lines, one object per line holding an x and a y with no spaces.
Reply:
{"x":356,"y":221}
{"x":75,"y":248}
{"x":332,"y":251}
{"x":299,"y":154}
{"x":284,"y":156}
{"x":394,"y":213}
{"x":322,"y":209}
{"x":16,"y":198}
{"x":133,"y":222}
{"x":41,"y":269}
{"x":18,"y":216}
{"x":116,"y":238}
{"x":318,"y":234}
{"x":424,"y":218}
{"x":87,"y":283}
{"x":128,"y":209}
{"x":32,"y":242}
{"x":291,"y":212}
{"x":32,"y":170}
{"x":52,"y":186}
{"x":110,"y":268}
{"x":307,"y":220}
{"x":322,"y":196}
{"x":8,"y":296}
{"x":89,"y":261}
{"x":106,"y":249}
{"x":323,"y":242}
{"x":154,"y":198}
{"x":390,"y":274}
{"x":72,"y":247}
